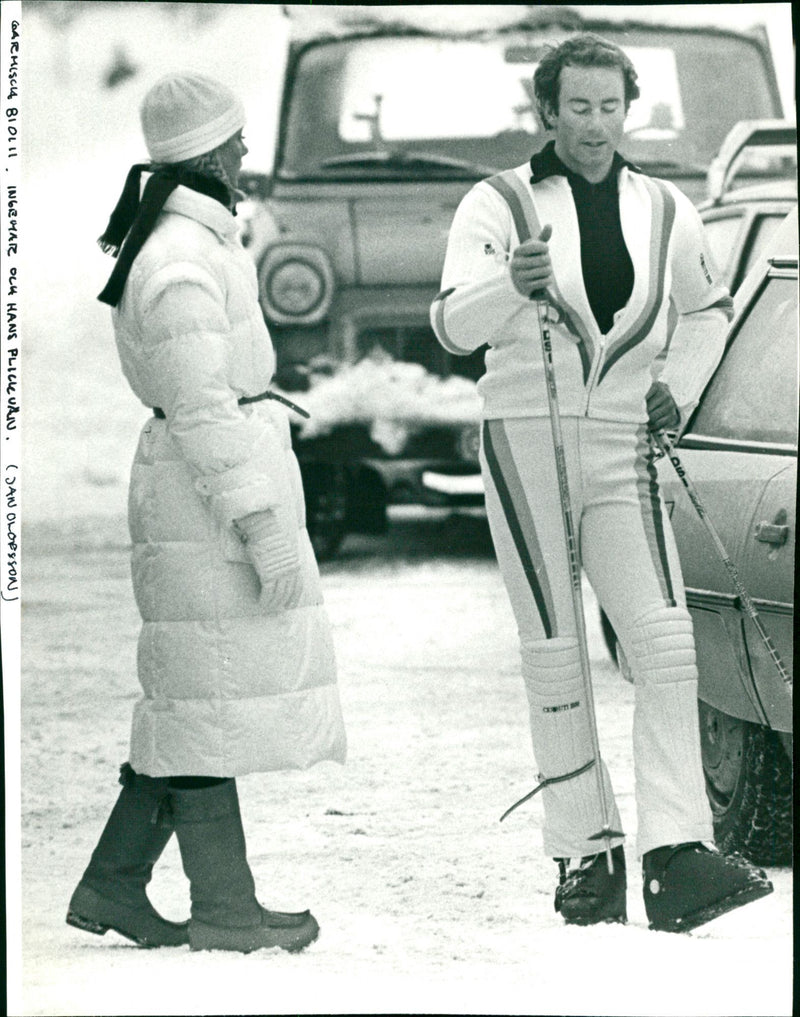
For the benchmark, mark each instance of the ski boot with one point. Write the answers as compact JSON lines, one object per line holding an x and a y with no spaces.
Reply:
{"x":590,"y":894}
{"x":686,"y":885}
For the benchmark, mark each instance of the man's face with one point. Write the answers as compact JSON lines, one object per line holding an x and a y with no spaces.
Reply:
{"x":590,"y":119}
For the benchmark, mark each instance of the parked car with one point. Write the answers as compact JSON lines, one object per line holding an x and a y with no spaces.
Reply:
{"x":739,"y":221}
{"x":383,"y":129}
{"x":740,"y":452}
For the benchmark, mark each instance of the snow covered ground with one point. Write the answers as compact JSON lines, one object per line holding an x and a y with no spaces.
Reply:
{"x":427,"y":903}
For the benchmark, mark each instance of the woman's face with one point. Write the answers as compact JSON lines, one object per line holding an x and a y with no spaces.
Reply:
{"x":231,"y":154}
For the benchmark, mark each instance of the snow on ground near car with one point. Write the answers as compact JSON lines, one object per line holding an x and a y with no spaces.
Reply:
{"x":427,"y":903}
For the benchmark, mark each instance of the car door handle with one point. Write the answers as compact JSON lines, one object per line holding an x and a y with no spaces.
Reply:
{"x":776,"y":532}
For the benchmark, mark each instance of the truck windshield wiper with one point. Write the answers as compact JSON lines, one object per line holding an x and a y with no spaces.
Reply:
{"x":406,"y":160}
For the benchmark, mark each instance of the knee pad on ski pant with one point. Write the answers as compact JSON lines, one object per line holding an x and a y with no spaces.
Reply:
{"x":670,"y":787}
{"x":659,"y":647}
{"x":562,"y":744}
{"x":559,"y":724}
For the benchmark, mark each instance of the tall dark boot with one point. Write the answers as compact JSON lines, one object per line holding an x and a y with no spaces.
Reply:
{"x":225,"y":912}
{"x":111,"y":893}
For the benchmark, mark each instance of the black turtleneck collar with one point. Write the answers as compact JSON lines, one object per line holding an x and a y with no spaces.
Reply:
{"x":605,"y":261}
{"x":547,"y":164}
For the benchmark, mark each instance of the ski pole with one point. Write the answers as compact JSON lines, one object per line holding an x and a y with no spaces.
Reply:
{"x":573,"y":557}
{"x":668,"y":450}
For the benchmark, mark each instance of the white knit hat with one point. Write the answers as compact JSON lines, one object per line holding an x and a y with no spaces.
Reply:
{"x":184,"y":115}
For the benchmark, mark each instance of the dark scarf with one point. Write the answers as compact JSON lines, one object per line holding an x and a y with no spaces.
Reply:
{"x":132,"y":220}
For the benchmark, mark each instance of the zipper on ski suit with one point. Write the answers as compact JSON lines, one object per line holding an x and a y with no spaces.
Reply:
{"x":595,"y":370}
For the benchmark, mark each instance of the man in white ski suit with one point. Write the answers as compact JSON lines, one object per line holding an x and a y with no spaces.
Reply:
{"x":610,"y":250}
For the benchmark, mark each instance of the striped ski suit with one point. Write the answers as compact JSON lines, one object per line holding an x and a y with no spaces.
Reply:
{"x":626,"y":543}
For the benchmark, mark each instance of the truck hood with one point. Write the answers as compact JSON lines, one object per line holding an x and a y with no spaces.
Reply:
{"x":402,"y":240}
{"x":375,"y":234}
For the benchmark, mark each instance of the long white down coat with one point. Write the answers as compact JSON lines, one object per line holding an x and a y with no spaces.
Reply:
{"x":230,"y":685}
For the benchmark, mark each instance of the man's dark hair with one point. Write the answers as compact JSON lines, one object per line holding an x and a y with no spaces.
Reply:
{"x":584,"y":50}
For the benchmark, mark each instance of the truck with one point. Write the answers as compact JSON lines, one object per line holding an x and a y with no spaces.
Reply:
{"x":385,"y":123}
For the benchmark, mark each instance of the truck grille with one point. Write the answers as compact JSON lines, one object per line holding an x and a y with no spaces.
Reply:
{"x":416,"y":344}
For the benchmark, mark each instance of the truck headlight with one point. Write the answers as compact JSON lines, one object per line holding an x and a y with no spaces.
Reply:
{"x":295,"y":284}
{"x":469,"y":443}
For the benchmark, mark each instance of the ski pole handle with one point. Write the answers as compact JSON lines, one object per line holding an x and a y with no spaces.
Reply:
{"x":605,"y":833}
{"x":558,"y":443}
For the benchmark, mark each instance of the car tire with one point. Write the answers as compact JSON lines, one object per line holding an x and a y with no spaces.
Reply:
{"x":749,"y":786}
{"x":325,"y":489}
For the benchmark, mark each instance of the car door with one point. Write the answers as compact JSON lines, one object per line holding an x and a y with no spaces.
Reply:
{"x":740,"y":453}
{"x":767,"y":569}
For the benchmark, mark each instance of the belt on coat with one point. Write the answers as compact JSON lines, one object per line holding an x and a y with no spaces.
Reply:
{"x":159,"y":414}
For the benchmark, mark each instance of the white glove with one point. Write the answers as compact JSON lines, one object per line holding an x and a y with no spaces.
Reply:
{"x":274,"y":556}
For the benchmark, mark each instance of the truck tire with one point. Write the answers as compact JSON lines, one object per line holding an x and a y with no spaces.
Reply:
{"x":749,"y":786}
{"x":325,"y":489}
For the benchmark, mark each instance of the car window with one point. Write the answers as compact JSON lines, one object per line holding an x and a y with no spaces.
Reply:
{"x":722,"y":234}
{"x":470,"y":100}
{"x":763,"y":228}
{"x":753,"y":395}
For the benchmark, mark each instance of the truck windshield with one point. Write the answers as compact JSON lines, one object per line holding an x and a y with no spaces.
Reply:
{"x":410,"y":105}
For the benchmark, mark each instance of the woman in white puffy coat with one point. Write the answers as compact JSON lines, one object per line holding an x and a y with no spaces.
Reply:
{"x":235,"y":655}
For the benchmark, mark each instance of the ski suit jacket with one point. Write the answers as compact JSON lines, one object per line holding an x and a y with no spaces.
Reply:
{"x":601,"y":376}
{"x":229,"y":686}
